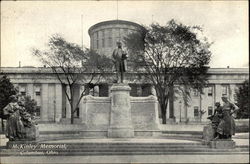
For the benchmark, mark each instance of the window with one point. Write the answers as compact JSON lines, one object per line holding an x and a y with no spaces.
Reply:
{"x":126,"y":31}
{"x":103,"y":42}
{"x":210,"y":110}
{"x":210,"y":91}
{"x":103,"y":38}
{"x":224,"y":90}
{"x":110,"y":38}
{"x":97,"y":44}
{"x":110,"y":41}
{"x":38,"y":110}
{"x":22,"y":90}
{"x":37,"y":90}
{"x":97,"y":40}
{"x":97,"y":35}
{"x":196,"y":111}
{"x":103,"y":34}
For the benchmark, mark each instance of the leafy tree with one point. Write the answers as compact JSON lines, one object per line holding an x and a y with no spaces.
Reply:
{"x":6,"y":90}
{"x":30,"y":105}
{"x":71,"y":65}
{"x":242,"y":96}
{"x":171,"y":55}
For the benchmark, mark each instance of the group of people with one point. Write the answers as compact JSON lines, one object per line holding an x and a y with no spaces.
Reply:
{"x":223,"y":120}
{"x":17,"y":119}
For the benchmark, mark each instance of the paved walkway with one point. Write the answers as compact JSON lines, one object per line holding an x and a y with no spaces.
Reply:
{"x":239,"y":138}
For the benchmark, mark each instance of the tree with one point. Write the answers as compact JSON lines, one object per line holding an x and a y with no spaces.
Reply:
{"x":30,"y":105}
{"x":174,"y":54}
{"x":6,"y":90}
{"x":71,"y":65}
{"x":242,"y":97}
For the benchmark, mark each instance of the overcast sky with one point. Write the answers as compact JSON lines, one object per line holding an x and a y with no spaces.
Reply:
{"x":27,"y":24}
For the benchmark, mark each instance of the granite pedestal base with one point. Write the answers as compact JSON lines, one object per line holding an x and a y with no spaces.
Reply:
{"x":208,"y":134}
{"x":222,"y":144}
{"x":120,"y":116}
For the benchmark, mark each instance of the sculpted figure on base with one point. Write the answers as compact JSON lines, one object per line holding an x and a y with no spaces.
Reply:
{"x":119,"y":58}
{"x":222,"y":120}
{"x":17,"y":119}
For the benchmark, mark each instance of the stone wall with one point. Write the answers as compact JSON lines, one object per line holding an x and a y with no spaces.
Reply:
{"x":96,"y":115}
{"x":95,"y":112}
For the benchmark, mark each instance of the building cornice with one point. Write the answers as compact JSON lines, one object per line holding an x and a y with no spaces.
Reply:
{"x":112,"y":22}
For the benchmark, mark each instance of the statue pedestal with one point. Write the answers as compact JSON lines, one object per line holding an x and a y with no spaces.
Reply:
{"x":222,"y":144}
{"x":120,"y":116}
{"x":32,"y":133}
{"x":208,"y":133}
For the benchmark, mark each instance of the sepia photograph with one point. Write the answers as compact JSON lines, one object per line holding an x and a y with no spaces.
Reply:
{"x":124,"y":81}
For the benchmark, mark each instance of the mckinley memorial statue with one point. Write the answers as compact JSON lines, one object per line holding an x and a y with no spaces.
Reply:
{"x":119,"y":57}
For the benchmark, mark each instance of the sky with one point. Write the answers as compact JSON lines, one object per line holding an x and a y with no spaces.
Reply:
{"x":29,"y":24}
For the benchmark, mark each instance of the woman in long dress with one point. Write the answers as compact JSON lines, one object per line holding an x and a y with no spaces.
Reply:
{"x":14,"y":126}
{"x":226,"y":127}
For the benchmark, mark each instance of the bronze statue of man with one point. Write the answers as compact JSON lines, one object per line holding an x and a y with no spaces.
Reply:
{"x":119,"y":58}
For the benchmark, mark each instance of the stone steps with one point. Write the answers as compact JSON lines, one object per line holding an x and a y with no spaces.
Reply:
{"x":93,"y":148}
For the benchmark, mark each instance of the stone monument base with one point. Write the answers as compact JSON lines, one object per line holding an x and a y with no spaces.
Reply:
{"x":208,"y":134}
{"x":119,"y":132}
{"x":32,"y":133}
{"x":30,"y":137}
{"x":222,"y":144}
{"x":121,"y":125}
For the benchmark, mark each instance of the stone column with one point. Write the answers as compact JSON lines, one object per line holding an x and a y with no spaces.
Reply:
{"x":171,"y":103}
{"x":120,"y":115}
{"x":217,"y":92}
{"x":82,"y":112}
{"x":58,"y":101}
{"x":231,"y":92}
{"x":30,"y":90}
{"x":68,"y":109}
{"x":44,"y":110}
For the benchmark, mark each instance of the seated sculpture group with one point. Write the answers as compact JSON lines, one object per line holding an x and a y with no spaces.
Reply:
{"x":18,"y":119}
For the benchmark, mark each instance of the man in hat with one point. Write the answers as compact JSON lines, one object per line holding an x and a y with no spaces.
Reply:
{"x":119,"y":58}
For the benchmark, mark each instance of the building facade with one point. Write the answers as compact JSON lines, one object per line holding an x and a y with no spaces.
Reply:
{"x":43,"y":86}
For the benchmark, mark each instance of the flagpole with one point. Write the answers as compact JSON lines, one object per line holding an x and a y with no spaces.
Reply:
{"x":82,"y":30}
